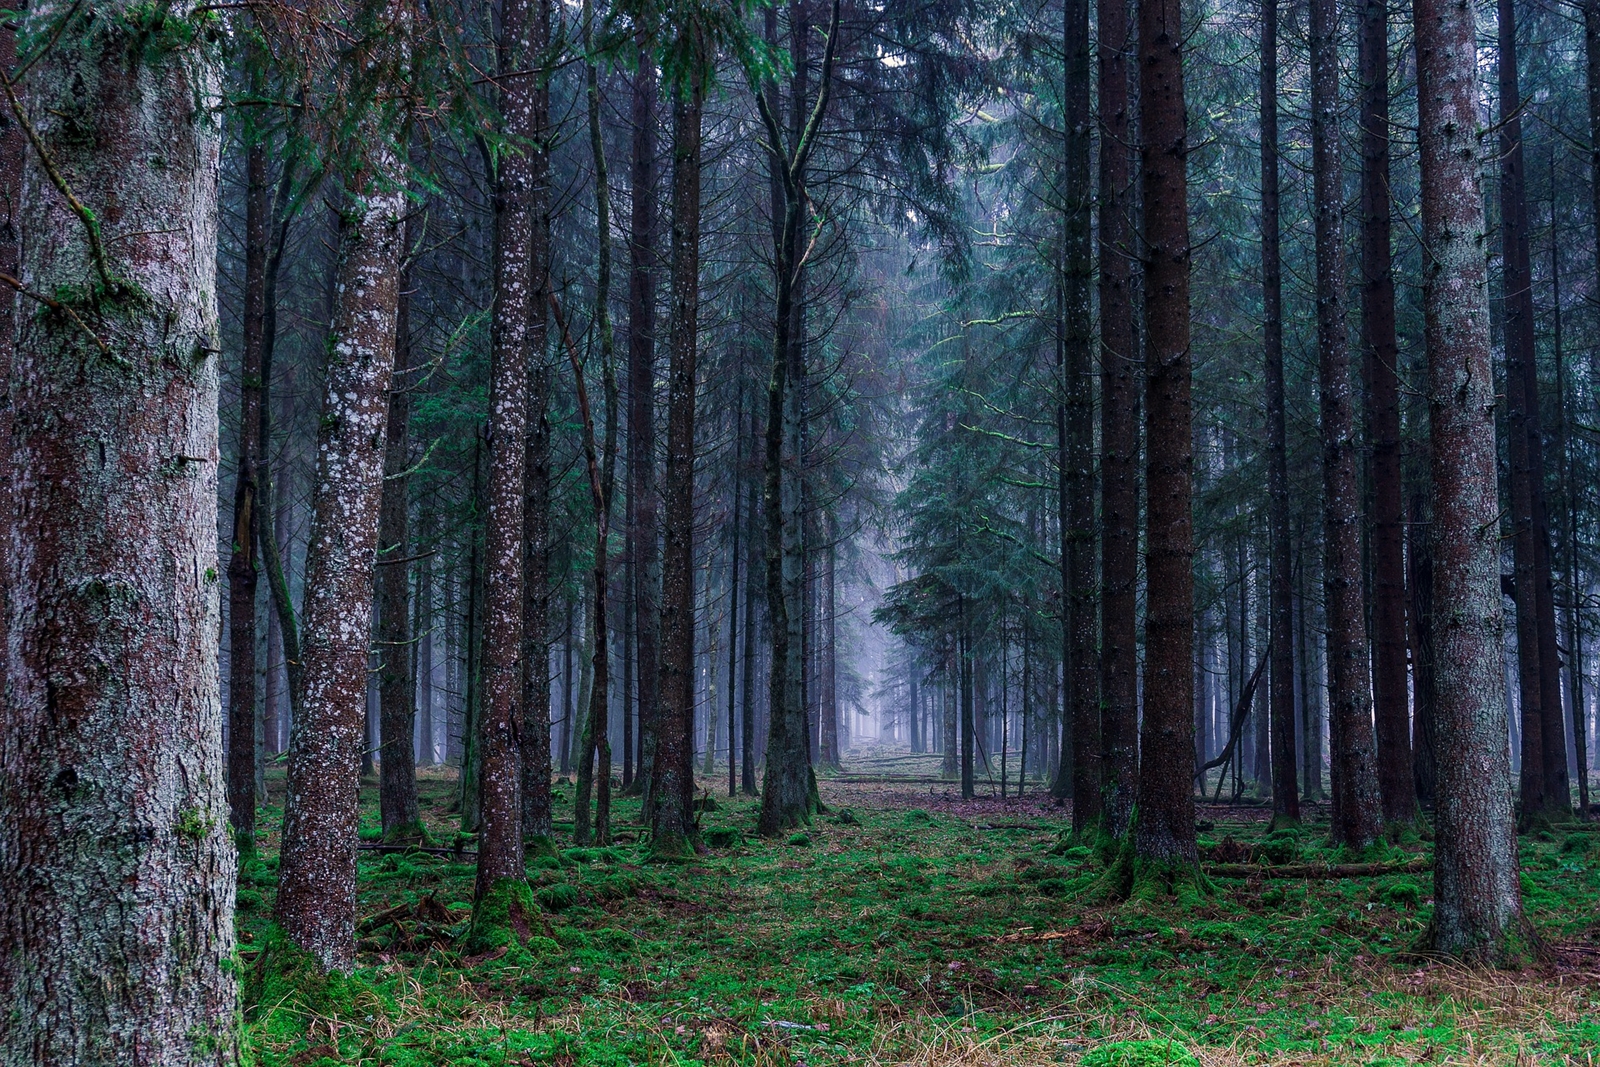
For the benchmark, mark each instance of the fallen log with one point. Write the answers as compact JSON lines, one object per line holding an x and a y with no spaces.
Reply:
{"x":1317,"y":870}
{"x":385,"y":849}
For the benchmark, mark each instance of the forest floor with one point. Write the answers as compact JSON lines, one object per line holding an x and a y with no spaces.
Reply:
{"x":909,"y":927}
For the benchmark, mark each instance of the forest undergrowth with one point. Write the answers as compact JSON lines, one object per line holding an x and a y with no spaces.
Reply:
{"x":904,"y":927}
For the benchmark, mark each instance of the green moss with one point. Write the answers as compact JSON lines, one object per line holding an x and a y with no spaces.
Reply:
{"x":504,"y":915}
{"x":1140,"y":1054}
{"x":722,"y":837}
{"x":801,"y":839}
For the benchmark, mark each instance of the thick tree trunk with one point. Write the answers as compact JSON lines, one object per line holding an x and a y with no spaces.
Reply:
{"x":535,"y":563}
{"x":317,"y":877}
{"x":642,"y":523}
{"x":242,"y":563}
{"x":673,"y":773}
{"x":1165,"y":835}
{"x":116,"y":871}
{"x":1357,"y":815}
{"x":1076,"y":430}
{"x":1477,"y":911}
{"x":1119,"y":427}
{"x":1381,"y":353}
{"x":397,"y":690}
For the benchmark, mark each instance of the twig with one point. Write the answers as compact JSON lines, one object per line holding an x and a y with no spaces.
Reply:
{"x":67,"y":310}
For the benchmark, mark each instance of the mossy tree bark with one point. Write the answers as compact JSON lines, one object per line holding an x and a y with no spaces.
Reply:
{"x":317,"y":878}
{"x":1478,"y":907}
{"x":116,"y":867}
{"x":535,"y":627}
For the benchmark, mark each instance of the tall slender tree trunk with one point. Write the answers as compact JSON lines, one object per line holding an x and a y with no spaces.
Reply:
{"x":1477,"y":911}
{"x":1419,"y":582}
{"x":317,"y":877}
{"x":1381,"y":354}
{"x":1569,"y":507}
{"x":116,"y":870}
{"x":1076,"y":430}
{"x":1119,"y":427}
{"x":788,"y":795}
{"x":501,"y":834}
{"x":642,"y":523}
{"x":673,"y":773}
{"x":1357,"y":815}
{"x":535,"y":563}
{"x":1544,"y":737}
{"x":242,"y":563}
{"x":397,"y":704}
{"x":747,"y":768}
{"x":1165,"y":834}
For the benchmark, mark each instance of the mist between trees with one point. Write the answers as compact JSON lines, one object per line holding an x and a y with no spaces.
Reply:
{"x":1166,"y":429}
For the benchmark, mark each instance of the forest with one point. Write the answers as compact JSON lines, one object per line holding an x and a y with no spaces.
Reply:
{"x":900,"y":533}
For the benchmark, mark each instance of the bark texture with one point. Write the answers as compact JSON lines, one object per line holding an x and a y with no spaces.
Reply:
{"x":397,"y":692}
{"x":1165,"y":834}
{"x":1076,"y":431}
{"x":1280,"y":578}
{"x":1357,"y":816}
{"x":317,"y":878}
{"x":1381,"y":354}
{"x":673,"y":775}
{"x":116,"y":868}
{"x":1119,"y":428}
{"x":1478,"y":908}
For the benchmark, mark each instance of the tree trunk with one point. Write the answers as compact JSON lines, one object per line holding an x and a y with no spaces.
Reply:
{"x":1076,"y":430}
{"x":116,"y":871}
{"x":535,"y":563}
{"x":317,"y":878}
{"x":673,"y":773}
{"x":827,"y":702}
{"x":747,"y":768}
{"x":500,"y":842}
{"x":1165,"y":835}
{"x":1544,"y":738}
{"x":1357,"y":816}
{"x":1477,"y":911}
{"x":242,"y":563}
{"x":1381,"y":354}
{"x":1280,"y":579}
{"x":642,"y":522}
{"x":397,"y":707}
{"x":1119,"y":427}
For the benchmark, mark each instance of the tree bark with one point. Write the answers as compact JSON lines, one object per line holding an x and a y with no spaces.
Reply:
{"x":535,"y":625}
{"x":397,"y":692}
{"x":673,"y":774}
{"x":317,"y":877}
{"x":1119,"y":427}
{"x":1076,"y":430}
{"x":242,"y":562}
{"x":1357,"y":815}
{"x":1165,"y":835}
{"x":642,"y":515}
{"x":116,"y":869}
{"x":1544,"y":736}
{"x":1381,"y":353}
{"x":1477,"y":910}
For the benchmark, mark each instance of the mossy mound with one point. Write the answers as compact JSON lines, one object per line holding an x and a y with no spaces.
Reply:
{"x":504,"y":915}
{"x":1154,"y":1053}
{"x":722,"y":837}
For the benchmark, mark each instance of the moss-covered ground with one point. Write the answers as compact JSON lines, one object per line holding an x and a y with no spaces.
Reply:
{"x":919,"y":930}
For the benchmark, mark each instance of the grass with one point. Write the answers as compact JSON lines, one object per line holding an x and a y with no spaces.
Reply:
{"x":920,"y":931}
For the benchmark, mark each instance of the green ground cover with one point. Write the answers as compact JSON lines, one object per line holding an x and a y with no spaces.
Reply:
{"x":918,"y":930}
